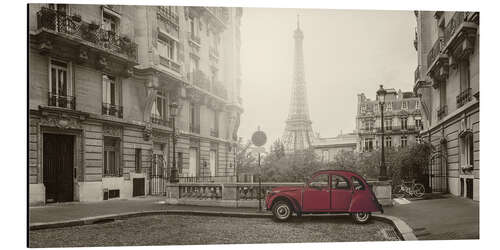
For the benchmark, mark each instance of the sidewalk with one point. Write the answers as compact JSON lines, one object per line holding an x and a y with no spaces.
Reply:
{"x":446,"y":218}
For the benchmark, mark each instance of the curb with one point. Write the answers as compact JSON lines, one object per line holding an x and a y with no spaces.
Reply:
{"x":404,"y":231}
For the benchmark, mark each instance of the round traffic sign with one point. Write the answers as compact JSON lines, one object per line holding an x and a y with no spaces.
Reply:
{"x":259,"y":138}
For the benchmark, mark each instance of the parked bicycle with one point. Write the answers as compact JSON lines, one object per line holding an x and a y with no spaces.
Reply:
{"x":409,"y":189}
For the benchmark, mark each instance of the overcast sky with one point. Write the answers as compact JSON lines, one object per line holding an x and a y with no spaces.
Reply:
{"x":346,"y":52}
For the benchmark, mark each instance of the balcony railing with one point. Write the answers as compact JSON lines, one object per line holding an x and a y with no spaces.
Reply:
{"x":156,"y":119}
{"x":168,"y":15}
{"x":207,"y":179}
{"x":170,"y":64}
{"x":435,"y":51}
{"x":463,"y":97}
{"x":442,"y":112}
{"x":112,"y":110}
{"x":194,"y":128}
{"x":214,"y":132}
{"x":61,"y":101}
{"x":91,"y":32}
{"x":457,"y":19}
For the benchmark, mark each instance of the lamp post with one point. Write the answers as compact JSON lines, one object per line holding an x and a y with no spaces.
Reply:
{"x":173,"y":113}
{"x":381,"y":99}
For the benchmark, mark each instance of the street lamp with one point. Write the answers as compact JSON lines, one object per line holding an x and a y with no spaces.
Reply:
{"x":381,"y":100}
{"x":173,"y":112}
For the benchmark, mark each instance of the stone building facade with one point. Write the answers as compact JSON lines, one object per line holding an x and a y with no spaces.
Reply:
{"x":102,"y":79}
{"x":326,"y":148}
{"x":402,"y":120}
{"x":447,"y":81}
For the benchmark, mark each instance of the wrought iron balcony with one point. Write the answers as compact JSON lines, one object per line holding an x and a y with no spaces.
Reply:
{"x":170,"y":64}
{"x":166,"y":14}
{"x":194,"y":128}
{"x":442,"y":112}
{"x":74,"y":27}
{"x":214,"y":132}
{"x":61,"y":101}
{"x":156,"y":119}
{"x":463,"y":97}
{"x":435,"y":51}
{"x":112,"y":110}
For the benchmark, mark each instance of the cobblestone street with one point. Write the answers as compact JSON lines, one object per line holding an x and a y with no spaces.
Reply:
{"x":184,"y":229}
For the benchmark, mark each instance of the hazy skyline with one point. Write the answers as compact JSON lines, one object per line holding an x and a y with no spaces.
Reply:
{"x":346,"y":52}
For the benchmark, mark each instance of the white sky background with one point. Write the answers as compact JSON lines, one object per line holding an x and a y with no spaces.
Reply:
{"x":346,"y":52}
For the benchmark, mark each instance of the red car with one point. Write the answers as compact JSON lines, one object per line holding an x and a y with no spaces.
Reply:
{"x":328,"y":191}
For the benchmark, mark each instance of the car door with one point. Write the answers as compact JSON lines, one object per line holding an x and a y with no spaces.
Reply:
{"x":316,"y":196}
{"x":341,"y":193}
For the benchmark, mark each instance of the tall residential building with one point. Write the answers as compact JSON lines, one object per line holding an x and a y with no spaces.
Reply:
{"x":447,"y":81}
{"x":402,"y":120}
{"x":298,"y":133}
{"x":102,"y":79}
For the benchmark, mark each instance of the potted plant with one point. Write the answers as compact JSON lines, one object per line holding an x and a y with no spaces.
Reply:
{"x":76,"y":17}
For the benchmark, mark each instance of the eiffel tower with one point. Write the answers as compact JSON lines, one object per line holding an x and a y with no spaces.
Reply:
{"x":298,"y":133}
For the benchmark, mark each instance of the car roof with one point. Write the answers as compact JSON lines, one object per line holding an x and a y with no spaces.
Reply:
{"x":338,"y":171}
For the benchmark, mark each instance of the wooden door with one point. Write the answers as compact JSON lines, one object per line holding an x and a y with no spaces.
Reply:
{"x":58,"y":176}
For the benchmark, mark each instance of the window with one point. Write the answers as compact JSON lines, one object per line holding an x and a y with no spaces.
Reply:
{"x":404,"y":123}
{"x":442,"y":94}
{"x":324,"y":156}
{"x":404,"y":105}
{"x":357,"y":183}
{"x":60,"y":87}
{"x":159,"y":111}
{"x":193,"y":29}
{"x":388,"y":141}
{"x":110,"y":22}
{"x":463,"y":66}
{"x":418,"y":123}
{"x":369,"y":144}
{"x":389,"y":106}
{"x":179,"y":162}
{"x":215,"y":123}
{"x":213,"y":162}
{"x":167,"y":48}
{"x":375,"y":108}
{"x":467,"y":150}
{"x":111,"y":156}
{"x":138,"y":160}
{"x":194,"y":118}
{"x":404,"y":141}
{"x":388,"y":124}
{"x":193,"y":64}
{"x":111,"y":96}
{"x":417,"y":104}
{"x":319,"y":181}
{"x":340,"y":182}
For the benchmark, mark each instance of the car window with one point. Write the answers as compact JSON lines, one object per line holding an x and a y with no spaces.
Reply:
{"x":319,"y":181}
{"x":339,"y":182}
{"x":357,"y":183}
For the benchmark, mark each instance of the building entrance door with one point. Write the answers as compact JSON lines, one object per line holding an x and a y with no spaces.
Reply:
{"x":58,"y":167}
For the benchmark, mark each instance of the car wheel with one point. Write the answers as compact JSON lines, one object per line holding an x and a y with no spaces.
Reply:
{"x":361,"y":217}
{"x":282,"y":211}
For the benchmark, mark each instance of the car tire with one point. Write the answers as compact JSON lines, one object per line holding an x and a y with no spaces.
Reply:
{"x":361,"y":217}
{"x":282,"y":211}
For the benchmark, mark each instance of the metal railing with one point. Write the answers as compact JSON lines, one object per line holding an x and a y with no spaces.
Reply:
{"x":435,"y":51}
{"x":169,"y":63}
{"x":168,"y":15}
{"x":62,"y":101}
{"x":112,"y":110}
{"x":156,"y":119}
{"x":207,"y":179}
{"x":202,"y":192}
{"x":455,"y":21}
{"x":91,"y":32}
{"x":463,"y":97}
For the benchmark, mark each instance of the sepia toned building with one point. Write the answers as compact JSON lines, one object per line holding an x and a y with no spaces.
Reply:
{"x":447,"y":81}
{"x":102,"y":81}
{"x":402,"y":120}
{"x":327,"y":148}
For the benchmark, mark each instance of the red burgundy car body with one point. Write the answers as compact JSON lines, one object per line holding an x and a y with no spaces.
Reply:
{"x":328,"y":191}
